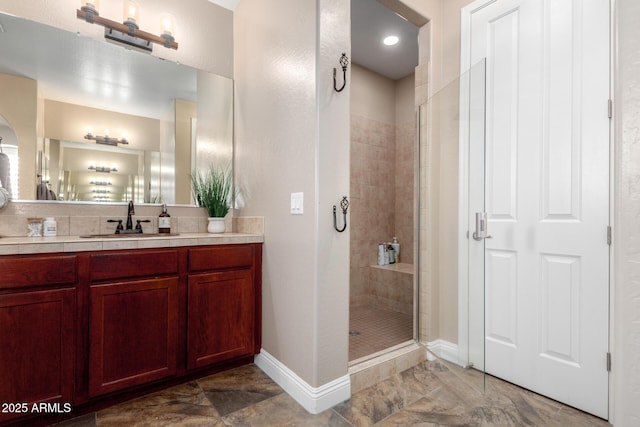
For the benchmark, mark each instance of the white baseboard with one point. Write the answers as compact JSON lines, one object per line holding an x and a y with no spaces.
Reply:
{"x":444,"y":350}
{"x":314,"y":399}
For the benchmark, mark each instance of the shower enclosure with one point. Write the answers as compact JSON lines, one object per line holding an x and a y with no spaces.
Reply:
{"x":452,"y":220}
{"x":383,"y":206}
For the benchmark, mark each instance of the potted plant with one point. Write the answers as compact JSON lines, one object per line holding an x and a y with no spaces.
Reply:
{"x":213,"y":189}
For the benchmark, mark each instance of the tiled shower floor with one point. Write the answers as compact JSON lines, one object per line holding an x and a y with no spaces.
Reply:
{"x":377,"y":329}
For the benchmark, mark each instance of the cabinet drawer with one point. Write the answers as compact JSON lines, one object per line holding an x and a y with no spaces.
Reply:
{"x":220,"y":257}
{"x":120,"y":265}
{"x":24,"y":271}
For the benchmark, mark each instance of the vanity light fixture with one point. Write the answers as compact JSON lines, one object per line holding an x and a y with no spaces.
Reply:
{"x":128,"y":32}
{"x":103,"y":169}
{"x":98,"y":182}
{"x":106,"y":140}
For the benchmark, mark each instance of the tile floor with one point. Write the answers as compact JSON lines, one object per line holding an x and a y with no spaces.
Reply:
{"x":378,"y":329}
{"x":429,"y":394}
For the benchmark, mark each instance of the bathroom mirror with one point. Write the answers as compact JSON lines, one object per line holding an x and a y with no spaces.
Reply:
{"x":58,"y":87}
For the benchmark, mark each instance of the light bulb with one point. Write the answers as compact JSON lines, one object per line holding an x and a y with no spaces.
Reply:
{"x":166,"y":24}
{"x":131,"y":13}
{"x":391,"y":40}
{"x":90,"y":5}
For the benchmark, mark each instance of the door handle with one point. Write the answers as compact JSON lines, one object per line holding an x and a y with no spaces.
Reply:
{"x":481,"y":227}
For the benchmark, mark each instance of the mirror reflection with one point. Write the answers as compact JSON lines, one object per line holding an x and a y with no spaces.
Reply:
{"x":84,"y":119}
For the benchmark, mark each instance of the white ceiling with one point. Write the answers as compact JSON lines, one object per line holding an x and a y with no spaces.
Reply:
{"x":370,"y":23}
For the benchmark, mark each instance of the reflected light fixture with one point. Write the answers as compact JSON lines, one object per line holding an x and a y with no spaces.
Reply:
{"x":391,"y":40}
{"x":105,"y":140}
{"x":103,"y":169}
{"x":129,"y":32}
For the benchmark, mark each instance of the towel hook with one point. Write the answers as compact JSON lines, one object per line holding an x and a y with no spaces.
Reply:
{"x":344,"y":205}
{"x":344,"y":61}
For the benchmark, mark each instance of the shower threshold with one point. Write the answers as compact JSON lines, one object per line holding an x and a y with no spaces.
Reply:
{"x":368,"y":371}
{"x":383,"y":355}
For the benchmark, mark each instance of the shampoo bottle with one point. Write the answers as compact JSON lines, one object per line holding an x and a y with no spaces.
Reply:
{"x":396,"y":248}
{"x":164,"y":220}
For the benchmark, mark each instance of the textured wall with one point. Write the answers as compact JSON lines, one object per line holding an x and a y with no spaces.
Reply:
{"x":332,"y":286}
{"x":292,"y":136}
{"x":275,"y":155}
{"x":626,"y":292}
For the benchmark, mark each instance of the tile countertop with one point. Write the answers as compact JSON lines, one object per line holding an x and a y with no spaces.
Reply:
{"x":36,"y":245}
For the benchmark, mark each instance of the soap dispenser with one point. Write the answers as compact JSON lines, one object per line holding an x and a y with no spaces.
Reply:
{"x":164,"y":221}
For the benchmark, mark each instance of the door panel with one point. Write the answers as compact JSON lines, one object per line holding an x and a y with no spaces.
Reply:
{"x":501,"y":275}
{"x":547,"y":194}
{"x":133,"y":333}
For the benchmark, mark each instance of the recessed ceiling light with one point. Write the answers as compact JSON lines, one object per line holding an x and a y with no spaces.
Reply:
{"x":391,"y":40}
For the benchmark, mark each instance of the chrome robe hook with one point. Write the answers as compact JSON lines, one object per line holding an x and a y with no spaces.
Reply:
{"x":344,"y":61}
{"x":344,"y":205}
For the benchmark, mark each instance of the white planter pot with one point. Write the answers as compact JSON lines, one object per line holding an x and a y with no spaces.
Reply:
{"x":216,"y":225}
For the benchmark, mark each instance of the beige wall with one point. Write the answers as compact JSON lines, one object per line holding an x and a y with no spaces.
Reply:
{"x":185,"y":112}
{"x":444,"y":16}
{"x":70,"y":122}
{"x":18,"y":105}
{"x":332,"y":286}
{"x":372,"y":95}
{"x":203,"y":30}
{"x":292,"y":136}
{"x":625,"y":393}
{"x":438,"y":270}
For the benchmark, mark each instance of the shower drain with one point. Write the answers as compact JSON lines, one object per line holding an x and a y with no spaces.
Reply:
{"x":354,"y":333}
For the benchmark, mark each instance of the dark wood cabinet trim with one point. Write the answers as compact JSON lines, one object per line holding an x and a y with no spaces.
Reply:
{"x":21,"y":271}
{"x":110,"y":265}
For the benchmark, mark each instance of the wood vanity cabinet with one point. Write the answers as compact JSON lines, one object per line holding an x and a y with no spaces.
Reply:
{"x":222,"y":304}
{"x":94,"y":328}
{"x":133,"y":321}
{"x":37,"y":332}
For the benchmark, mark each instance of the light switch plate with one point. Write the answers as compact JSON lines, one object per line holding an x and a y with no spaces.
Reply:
{"x":297,"y":203}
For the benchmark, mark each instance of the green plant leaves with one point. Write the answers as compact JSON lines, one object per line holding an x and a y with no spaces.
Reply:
{"x":213,"y":189}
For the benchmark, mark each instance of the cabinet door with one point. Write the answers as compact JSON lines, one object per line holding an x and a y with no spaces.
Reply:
{"x":37,"y":347}
{"x":220,"y":317}
{"x":133,"y":333}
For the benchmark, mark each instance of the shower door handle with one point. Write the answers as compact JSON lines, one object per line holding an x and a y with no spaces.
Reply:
{"x":481,"y":227}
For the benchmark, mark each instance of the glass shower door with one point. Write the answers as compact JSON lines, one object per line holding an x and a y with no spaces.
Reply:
{"x":453,"y":223}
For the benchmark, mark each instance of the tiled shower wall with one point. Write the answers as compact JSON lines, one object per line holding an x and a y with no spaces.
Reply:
{"x":372,"y":192}
{"x":382,"y":206}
